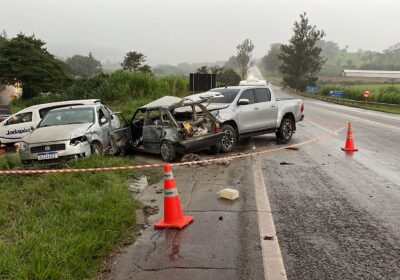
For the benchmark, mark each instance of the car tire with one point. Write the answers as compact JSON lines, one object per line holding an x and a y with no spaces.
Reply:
{"x":285,"y":131}
{"x":229,"y":139}
{"x":96,"y":148}
{"x":167,"y":151}
{"x":9,"y":145}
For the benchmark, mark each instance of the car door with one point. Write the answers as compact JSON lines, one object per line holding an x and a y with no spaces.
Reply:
{"x":249,"y":115}
{"x":152,"y":131}
{"x":17,"y":127}
{"x":268,"y":109}
{"x":104,"y":118}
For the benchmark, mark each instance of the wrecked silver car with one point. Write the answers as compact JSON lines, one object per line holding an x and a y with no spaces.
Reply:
{"x":171,"y":125}
{"x":70,"y":133}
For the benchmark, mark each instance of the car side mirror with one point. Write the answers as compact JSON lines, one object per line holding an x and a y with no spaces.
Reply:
{"x":32,"y":128}
{"x":103,"y":120}
{"x":243,"y":102}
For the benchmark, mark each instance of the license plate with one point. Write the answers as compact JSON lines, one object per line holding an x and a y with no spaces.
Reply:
{"x":44,"y":156}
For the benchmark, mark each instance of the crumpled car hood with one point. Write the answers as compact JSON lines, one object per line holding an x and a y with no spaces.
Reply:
{"x":57,"y":133}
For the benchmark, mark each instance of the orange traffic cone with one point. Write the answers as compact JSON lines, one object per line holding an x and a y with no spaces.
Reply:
{"x":173,"y":215}
{"x":349,"y":147}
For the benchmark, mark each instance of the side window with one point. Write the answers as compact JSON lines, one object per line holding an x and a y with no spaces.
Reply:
{"x":100,"y":114}
{"x":248,"y":94}
{"x":153,"y":117}
{"x":106,"y":113}
{"x":20,"y":118}
{"x":262,"y":95}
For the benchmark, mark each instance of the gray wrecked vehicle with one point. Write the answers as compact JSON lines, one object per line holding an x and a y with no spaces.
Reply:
{"x":170,"y":126}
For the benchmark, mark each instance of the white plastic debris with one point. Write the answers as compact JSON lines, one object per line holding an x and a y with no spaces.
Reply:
{"x":139,"y":185}
{"x":228,"y":193}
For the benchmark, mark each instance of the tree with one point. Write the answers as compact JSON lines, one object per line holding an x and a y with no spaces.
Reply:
{"x":271,"y":61}
{"x":84,"y":66}
{"x":134,"y":61}
{"x":216,"y":69}
{"x":329,"y":48}
{"x":202,"y":70}
{"x":228,"y":77}
{"x":301,"y":58}
{"x":25,"y":60}
{"x":244,"y":52}
{"x":232,"y":63}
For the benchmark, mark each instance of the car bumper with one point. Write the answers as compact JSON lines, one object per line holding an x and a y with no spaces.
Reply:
{"x":71,"y":152}
{"x":201,"y":143}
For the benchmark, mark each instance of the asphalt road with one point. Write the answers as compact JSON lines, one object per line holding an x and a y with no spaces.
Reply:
{"x":337,"y":215}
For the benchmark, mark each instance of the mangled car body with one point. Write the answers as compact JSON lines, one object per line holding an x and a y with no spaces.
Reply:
{"x":70,"y":133}
{"x":171,"y":125}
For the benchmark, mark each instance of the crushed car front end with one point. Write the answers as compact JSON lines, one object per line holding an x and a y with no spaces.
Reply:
{"x":54,"y":152}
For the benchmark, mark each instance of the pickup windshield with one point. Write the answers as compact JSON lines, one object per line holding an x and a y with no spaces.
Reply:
{"x":228,"y":93}
{"x":68,"y":116}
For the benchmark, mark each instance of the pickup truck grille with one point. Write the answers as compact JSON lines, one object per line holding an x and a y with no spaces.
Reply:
{"x":51,"y":148}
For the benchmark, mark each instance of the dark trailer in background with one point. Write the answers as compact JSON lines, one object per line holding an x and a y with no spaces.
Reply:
{"x":202,"y":82}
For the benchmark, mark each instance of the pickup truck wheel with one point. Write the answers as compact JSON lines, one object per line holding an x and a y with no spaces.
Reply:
{"x":285,"y":132}
{"x":228,"y":141}
{"x":96,"y":148}
{"x":167,"y":151}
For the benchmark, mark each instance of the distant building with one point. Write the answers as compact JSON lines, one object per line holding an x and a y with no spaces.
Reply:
{"x":371,"y":74}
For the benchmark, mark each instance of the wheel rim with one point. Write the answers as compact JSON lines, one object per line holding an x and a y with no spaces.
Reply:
{"x":228,"y":139}
{"x":165,"y":150}
{"x":287,"y":130}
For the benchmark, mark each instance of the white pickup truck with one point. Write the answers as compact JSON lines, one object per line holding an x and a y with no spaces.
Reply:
{"x":246,"y":111}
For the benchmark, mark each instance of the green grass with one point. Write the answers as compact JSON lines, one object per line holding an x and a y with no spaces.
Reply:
{"x":60,"y":226}
{"x":382,"y":93}
{"x":121,"y":90}
{"x":351,"y":103}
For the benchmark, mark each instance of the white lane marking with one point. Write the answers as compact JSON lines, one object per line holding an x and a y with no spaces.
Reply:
{"x":272,"y":257}
{"x":356,"y":118}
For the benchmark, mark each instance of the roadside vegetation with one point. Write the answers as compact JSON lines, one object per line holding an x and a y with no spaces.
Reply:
{"x":60,"y":226}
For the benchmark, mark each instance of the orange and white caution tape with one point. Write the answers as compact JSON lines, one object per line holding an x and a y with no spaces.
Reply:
{"x":255,"y":153}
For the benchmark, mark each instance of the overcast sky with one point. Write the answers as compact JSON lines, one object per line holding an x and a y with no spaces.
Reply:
{"x":173,"y":31}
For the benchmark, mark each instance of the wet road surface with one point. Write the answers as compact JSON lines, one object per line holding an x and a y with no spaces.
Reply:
{"x":337,"y":214}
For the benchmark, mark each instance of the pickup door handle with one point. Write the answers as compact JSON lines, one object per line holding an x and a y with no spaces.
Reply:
{"x":272,"y":106}
{"x":256,"y":108}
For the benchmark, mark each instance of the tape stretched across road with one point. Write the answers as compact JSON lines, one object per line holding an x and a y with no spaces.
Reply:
{"x":71,"y":170}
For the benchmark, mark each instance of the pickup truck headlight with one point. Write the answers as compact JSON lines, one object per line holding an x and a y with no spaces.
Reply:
{"x":75,"y":141}
{"x":24,"y":147}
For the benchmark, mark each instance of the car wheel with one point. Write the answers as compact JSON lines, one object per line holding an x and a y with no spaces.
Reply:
{"x":96,"y":148}
{"x":228,"y":141}
{"x":167,"y":151}
{"x":285,"y":131}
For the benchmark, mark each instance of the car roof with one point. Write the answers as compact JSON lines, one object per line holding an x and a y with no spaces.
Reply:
{"x":46,"y":105}
{"x":76,"y":106}
{"x":163,"y":102}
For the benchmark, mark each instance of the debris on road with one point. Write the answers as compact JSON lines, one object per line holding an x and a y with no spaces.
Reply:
{"x":221,"y":218}
{"x":159,"y":191}
{"x":224,"y":162}
{"x":292,"y":148}
{"x":228,"y":193}
{"x":286,"y":163}
{"x":151,"y":210}
{"x":266,"y":237}
{"x":139,"y":185}
{"x":190,"y":157}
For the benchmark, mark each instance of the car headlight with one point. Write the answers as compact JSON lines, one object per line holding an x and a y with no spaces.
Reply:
{"x":75,"y":141}
{"x":24,"y":147}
